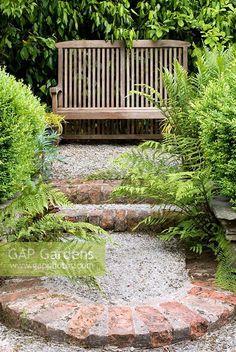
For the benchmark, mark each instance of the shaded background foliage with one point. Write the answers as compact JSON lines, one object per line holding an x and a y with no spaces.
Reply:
{"x":30,"y":28}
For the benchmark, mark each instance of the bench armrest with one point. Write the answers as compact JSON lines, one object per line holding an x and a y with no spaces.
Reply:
{"x":54,"y":91}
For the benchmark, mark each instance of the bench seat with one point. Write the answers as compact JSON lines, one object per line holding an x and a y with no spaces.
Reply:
{"x":110,"y":113}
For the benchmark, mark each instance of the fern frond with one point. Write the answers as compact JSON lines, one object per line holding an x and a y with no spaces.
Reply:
{"x":29,"y":217}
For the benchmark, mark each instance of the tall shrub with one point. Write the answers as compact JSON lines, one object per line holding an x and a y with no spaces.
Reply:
{"x":22,"y":121}
{"x":216,"y":111}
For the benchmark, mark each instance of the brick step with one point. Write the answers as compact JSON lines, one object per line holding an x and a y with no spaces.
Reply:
{"x":27,"y":305}
{"x":90,"y":192}
{"x":116,"y":217}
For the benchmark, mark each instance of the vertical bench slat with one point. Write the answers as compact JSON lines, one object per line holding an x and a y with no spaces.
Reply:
{"x":65,"y":78}
{"x":122,"y":76}
{"x":174,"y":54}
{"x":147,"y":73}
{"x":151,"y":70}
{"x":117,"y":85}
{"x":142,"y":69}
{"x":185,"y":58}
{"x":108,"y":78}
{"x":70,"y":77}
{"x":75,"y":78}
{"x":132,"y":76}
{"x":98,"y":78}
{"x":84,"y":77}
{"x":157,"y":74}
{"x":170,"y":65}
{"x":137,"y":76}
{"x":103,"y":77}
{"x":60,"y":75}
{"x":79,"y":78}
{"x":180,"y":55}
{"x":112,"y":76}
{"x":89,"y":78}
{"x":127,"y":78}
{"x":165,"y":66}
{"x":94,"y":83}
{"x":161,"y":72}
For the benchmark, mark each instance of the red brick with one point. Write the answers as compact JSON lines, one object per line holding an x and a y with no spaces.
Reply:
{"x":215,"y":312}
{"x":106,"y":192}
{"x":95,"y":194}
{"x":81,"y":194}
{"x":94,"y":216}
{"x":207,"y":283}
{"x":177,"y":311}
{"x":120,"y":326}
{"x":86,"y":317}
{"x":38,"y":311}
{"x":107,"y":221}
{"x":132,"y":219}
{"x":31,"y":304}
{"x":12,"y":297}
{"x":213,"y":294}
{"x":120,"y":220}
{"x":19,"y":285}
{"x":55,"y":312}
{"x":159,"y":328}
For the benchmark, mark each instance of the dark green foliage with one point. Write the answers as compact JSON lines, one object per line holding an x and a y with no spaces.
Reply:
{"x":30,"y":28}
{"x":21,"y":123}
{"x":183,"y":89}
{"x":216,"y":112}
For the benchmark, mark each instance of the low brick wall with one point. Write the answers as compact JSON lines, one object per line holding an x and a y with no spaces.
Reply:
{"x":28,"y":305}
{"x":117,"y":217}
{"x":92,"y":192}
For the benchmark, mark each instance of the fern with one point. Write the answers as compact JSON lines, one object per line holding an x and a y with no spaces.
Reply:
{"x":30,"y":217}
{"x":175,"y":172}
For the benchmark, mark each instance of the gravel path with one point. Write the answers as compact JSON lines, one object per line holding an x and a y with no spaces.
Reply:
{"x":77,"y":160}
{"x":219,"y":341}
{"x":140,"y":268}
{"x":128,"y":279}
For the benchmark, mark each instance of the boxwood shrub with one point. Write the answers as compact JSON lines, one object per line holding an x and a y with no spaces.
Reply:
{"x":22,"y":120}
{"x":216,"y":111}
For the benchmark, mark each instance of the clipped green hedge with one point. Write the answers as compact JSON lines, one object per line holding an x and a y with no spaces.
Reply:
{"x":216,"y":111}
{"x":22,"y":120}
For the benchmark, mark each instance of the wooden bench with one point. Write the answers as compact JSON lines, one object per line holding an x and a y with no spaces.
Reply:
{"x":95,"y":78}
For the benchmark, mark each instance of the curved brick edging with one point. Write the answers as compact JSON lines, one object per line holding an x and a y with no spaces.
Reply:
{"x":117,"y":217}
{"x":30,"y":306}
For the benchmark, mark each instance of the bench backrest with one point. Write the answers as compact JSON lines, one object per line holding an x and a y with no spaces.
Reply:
{"x":100,"y":74}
